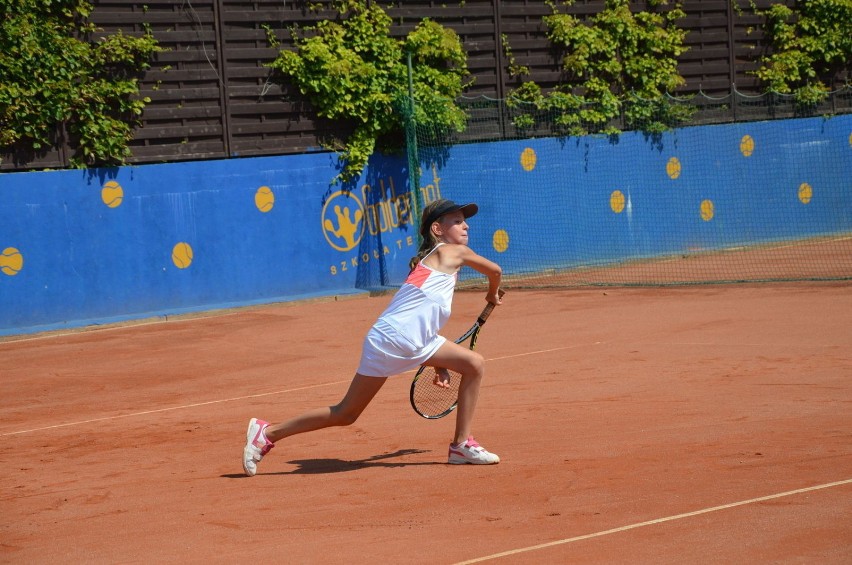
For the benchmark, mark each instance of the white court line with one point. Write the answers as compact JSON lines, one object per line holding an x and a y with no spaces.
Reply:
{"x":540,"y":351}
{"x":197,"y":404}
{"x":158,"y":410}
{"x":654,"y":522}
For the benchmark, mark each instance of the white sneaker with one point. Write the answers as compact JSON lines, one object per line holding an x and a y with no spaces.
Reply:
{"x":256,"y":445}
{"x":471,"y":452}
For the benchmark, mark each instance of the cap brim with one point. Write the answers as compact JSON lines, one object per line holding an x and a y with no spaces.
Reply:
{"x":469,"y":210}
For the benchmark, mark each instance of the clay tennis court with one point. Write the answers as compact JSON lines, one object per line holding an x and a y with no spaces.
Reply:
{"x":701,"y":424}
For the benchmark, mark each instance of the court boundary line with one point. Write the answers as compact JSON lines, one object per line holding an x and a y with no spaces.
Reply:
{"x":249,"y":396}
{"x":169,"y":409}
{"x":653,"y":522}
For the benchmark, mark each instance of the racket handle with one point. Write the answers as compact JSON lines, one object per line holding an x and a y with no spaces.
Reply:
{"x":488,"y":309}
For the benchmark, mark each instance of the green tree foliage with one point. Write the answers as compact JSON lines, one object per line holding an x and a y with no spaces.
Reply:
{"x":618,"y":64}
{"x":811,"y":42}
{"x":353,"y":70}
{"x":51,"y":75}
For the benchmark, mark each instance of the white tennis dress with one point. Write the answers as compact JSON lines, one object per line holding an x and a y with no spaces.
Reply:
{"x":406,"y":334}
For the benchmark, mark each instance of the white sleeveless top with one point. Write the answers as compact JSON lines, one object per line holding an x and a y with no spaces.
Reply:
{"x":422,"y":305}
{"x":406,"y":334}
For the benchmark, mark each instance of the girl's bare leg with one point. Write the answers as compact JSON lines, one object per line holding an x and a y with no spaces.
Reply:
{"x":471,"y":365}
{"x":360,"y":393}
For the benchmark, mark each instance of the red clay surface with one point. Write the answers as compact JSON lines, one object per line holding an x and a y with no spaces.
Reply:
{"x":700,"y":424}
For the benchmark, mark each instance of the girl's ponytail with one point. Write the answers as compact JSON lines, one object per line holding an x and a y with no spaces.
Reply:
{"x":425,"y":247}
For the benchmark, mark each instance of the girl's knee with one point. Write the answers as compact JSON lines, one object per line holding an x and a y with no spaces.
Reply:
{"x":477,"y":364}
{"x":343,"y":417}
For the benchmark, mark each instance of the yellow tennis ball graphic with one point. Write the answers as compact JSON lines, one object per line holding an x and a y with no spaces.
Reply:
{"x":747,"y":145}
{"x":805,"y":193}
{"x":673,"y":168}
{"x":264,"y":199}
{"x":182,"y":255}
{"x":112,"y":194}
{"x":500,"y":241}
{"x":616,"y":201}
{"x":11,"y":261}
{"x":528,"y":159}
{"x":707,"y":210}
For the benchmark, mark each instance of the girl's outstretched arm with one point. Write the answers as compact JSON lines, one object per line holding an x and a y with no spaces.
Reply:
{"x":452,"y":257}
{"x":488,"y":268}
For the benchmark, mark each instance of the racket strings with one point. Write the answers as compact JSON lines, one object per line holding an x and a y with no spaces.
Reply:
{"x":434,"y":401}
{"x":431,"y":400}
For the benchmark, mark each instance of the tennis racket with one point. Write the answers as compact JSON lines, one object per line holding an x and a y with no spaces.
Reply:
{"x":432,"y":401}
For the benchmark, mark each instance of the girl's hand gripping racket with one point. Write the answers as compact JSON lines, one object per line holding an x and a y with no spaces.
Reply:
{"x":433,"y":400}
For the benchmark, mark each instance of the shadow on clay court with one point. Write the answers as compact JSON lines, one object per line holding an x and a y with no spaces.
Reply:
{"x":327,"y":466}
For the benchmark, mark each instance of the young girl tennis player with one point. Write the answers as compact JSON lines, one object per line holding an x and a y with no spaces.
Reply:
{"x":406,"y":336}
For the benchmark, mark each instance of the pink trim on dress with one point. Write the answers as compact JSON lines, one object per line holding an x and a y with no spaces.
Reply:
{"x":419,"y":275}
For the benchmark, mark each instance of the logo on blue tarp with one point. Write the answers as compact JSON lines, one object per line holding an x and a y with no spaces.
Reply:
{"x":343,"y":220}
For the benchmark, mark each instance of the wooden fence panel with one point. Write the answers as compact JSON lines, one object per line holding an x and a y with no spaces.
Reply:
{"x":212,"y":95}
